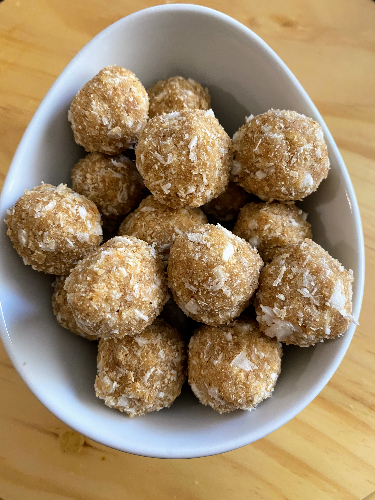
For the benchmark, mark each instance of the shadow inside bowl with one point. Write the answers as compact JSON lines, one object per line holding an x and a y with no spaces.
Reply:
{"x":228,"y":110}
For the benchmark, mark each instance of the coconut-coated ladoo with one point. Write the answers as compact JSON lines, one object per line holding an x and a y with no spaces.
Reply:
{"x":271,"y":226}
{"x":144,"y":373}
{"x":159,"y":224}
{"x":304,"y":296}
{"x":233,"y":366}
{"x":177,"y":94}
{"x":280,"y":155}
{"x":52,"y":228}
{"x":184,"y":158}
{"x":213,"y":274}
{"x":108,"y":114}
{"x":111,"y":182}
{"x":117,"y":290}
{"x":63,"y":311}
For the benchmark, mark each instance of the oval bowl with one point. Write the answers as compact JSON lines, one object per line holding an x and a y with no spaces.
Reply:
{"x":244,"y":76}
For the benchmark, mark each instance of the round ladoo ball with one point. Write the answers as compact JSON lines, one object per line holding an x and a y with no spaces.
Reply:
{"x":112,"y":183}
{"x":304,"y":296}
{"x":213,"y":274}
{"x":159,"y":225}
{"x":233,"y":367}
{"x":109,"y":112}
{"x":141,"y":374}
{"x":117,"y":290}
{"x":280,"y":155}
{"x":272,"y":226}
{"x":226,"y":206}
{"x":52,"y":228}
{"x":184,"y":158}
{"x":177,"y":94}
{"x":63,"y":311}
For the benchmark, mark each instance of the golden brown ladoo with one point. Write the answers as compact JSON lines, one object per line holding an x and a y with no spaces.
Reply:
{"x":184,"y":158}
{"x":144,"y":373}
{"x":52,"y":228}
{"x":111,"y":182}
{"x":159,"y":225}
{"x":280,"y":155}
{"x":117,"y":290}
{"x":213,"y":274}
{"x":109,"y":112}
{"x":304,"y":296}
{"x":177,"y":94}
{"x":271,"y":226}
{"x":226,"y":206}
{"x":233,"y":366}
{"x":63,"y":311}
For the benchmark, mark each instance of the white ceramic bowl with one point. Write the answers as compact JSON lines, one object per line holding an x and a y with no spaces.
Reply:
{"x":244,"y":76}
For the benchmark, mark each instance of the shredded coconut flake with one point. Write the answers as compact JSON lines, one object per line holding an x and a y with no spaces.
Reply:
{"x":141,"y":341}
{"x":51,"y":205}
{"x":82,"y":212}
{"x":162,"y":160}
{"x":198,"y":238}
{"x":153,"y":251}
{"x":166,"y":187}
{"x":147,"y":209}
{"x":338,"y":299}
{"x":140,"y":314}
{"x":110,"y":386}
{"x":123,"y":401}
{"x":192,"y":306}
{"x":308,"y":181}
{"x":307,"y":294}
{"x":22,"y":237}
{"x":260,"y":174}
{"x":228,"y":336}
{"x":254,"y":241}
{"x":193,"y":142}
{"x":171,"y":116}
{"x":241,"y":361}
{"x":228,"y":252}
{"x":192,"y":145}
{"x":280,"y":276}
{"x":147,"y":374}
{"x":83,"y":237}
{"x":236,"y":167}
{"x":277,"y":327}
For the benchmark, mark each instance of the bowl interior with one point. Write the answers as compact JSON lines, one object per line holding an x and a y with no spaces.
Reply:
{"x":244,"y":76}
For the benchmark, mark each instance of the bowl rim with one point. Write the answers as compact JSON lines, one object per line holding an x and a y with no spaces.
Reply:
{"x":228,"y":445}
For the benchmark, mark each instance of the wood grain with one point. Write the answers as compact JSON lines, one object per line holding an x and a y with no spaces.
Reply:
{"x":328,"y":450}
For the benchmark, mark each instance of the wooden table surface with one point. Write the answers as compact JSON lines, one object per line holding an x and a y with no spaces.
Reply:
{"x":328,"y":450}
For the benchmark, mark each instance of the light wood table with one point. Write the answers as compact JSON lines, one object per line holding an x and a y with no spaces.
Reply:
{"x":328,"y":450}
